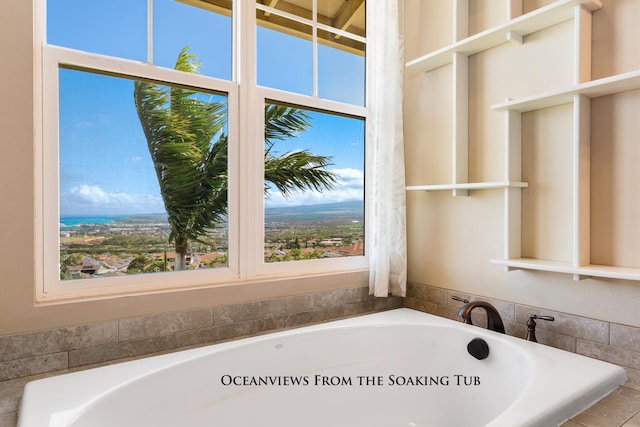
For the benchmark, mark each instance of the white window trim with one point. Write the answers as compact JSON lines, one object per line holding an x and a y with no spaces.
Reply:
{"x":53,"y":58}
{"x":246,"y":102}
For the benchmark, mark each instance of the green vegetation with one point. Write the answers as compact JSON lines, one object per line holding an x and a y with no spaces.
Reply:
{"x":142,"y":247}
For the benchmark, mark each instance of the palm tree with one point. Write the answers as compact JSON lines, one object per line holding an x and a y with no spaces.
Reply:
{"x":188,"y":145}
{"x":191,"y":170}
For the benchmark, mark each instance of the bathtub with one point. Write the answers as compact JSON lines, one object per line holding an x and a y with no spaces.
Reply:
{"x":396,"y":368}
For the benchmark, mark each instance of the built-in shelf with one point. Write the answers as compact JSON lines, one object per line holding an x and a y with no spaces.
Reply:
{"x":581,"y":272}
{"x":592,"y":89}
{"x":514,"y":30}
{"x":468,"y":186}
{"x":579,"y":95}
{"x":458,"y":55}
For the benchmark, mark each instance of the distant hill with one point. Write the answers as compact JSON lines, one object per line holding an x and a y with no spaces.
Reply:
{"x":344,"y":211}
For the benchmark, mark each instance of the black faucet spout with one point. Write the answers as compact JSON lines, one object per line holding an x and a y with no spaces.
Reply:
{"x":494,"y":321}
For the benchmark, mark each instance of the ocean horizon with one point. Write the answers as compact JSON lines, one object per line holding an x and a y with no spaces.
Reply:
{"x":76,"y":220}
{"x":350,"y":209}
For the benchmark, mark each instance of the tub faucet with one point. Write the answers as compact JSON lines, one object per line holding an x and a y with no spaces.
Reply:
{"x":494,"y":321}
{"x":531,"y":326}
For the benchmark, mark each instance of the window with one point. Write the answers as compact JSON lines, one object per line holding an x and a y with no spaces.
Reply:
{"x":154,"y":177}
{"x":326,"y":220}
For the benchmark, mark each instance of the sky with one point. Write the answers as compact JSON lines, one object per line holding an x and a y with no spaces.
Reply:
{"x":105,"y":166}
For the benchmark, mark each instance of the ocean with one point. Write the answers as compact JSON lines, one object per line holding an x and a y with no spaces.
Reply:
{"x":343,"y":210}
{"x":79,"y":220}
{"x":75,"y":221}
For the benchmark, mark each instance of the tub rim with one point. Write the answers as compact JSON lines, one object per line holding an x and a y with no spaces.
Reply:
{"x":63,"y":396}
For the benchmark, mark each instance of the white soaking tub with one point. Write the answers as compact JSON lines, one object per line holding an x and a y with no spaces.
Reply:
{"x":396,"y":368}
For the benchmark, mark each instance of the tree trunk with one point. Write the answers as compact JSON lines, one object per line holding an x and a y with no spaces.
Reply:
{"x":182,"y":243}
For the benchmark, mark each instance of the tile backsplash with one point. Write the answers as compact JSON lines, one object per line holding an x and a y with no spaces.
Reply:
{"x":74,"y":347}
{"x":611,"y":342}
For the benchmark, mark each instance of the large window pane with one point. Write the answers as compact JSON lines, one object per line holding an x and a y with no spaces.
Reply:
{"x":112,"y":153}
{"x":314,"y":181}
{"x":286,"y":61}
{"x":343,"y":15}
{"x":115,"y":27}
{"x":341,"y":74}
{"x":304,"y":56}
{"x":207,"y":34}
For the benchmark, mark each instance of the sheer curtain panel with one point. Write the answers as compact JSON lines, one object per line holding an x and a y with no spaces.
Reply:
{"x":386,"y":221}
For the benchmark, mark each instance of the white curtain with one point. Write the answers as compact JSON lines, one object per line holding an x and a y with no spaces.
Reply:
{"x":386,"y":220}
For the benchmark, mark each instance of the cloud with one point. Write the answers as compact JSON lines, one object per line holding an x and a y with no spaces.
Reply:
{"x":349,"y":186}
{"x":349,"y":177}
{"x":88,"y":199}
{"x":93,"y":200}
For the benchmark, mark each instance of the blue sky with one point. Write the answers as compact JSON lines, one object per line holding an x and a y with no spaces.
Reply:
{"x":105,"y":167}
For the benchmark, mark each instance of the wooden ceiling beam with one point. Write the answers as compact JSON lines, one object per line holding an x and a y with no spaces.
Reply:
{"x":341,"y":21}
{"x":345,"y":15}
{"x":270,"y":3}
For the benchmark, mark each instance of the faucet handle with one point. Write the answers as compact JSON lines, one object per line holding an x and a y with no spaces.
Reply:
{"x":531,"y":326}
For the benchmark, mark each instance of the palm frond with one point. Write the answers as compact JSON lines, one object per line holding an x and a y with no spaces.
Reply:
{"x":299,"y":171}
{"x":283,"y":122}
{"x":180,"y":127}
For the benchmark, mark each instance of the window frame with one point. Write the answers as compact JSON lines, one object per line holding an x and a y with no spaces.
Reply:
{"x":263,"y":96}
{"x":246,"y":103}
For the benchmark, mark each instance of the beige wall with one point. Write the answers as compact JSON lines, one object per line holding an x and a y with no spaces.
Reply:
{"x":18,"y":313}
{"x":452,"y":239}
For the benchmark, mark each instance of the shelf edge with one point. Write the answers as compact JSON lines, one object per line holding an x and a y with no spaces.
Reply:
{"x":593,"y":89}
{"x":592,"y":270}
{"x":468,"y":186}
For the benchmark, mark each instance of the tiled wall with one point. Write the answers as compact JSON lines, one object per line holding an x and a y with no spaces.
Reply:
{"x":25,"y":357}
{"x":602,"y":340}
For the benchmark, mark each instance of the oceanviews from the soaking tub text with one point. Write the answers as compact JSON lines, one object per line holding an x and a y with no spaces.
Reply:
{"x":317,"y":380}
